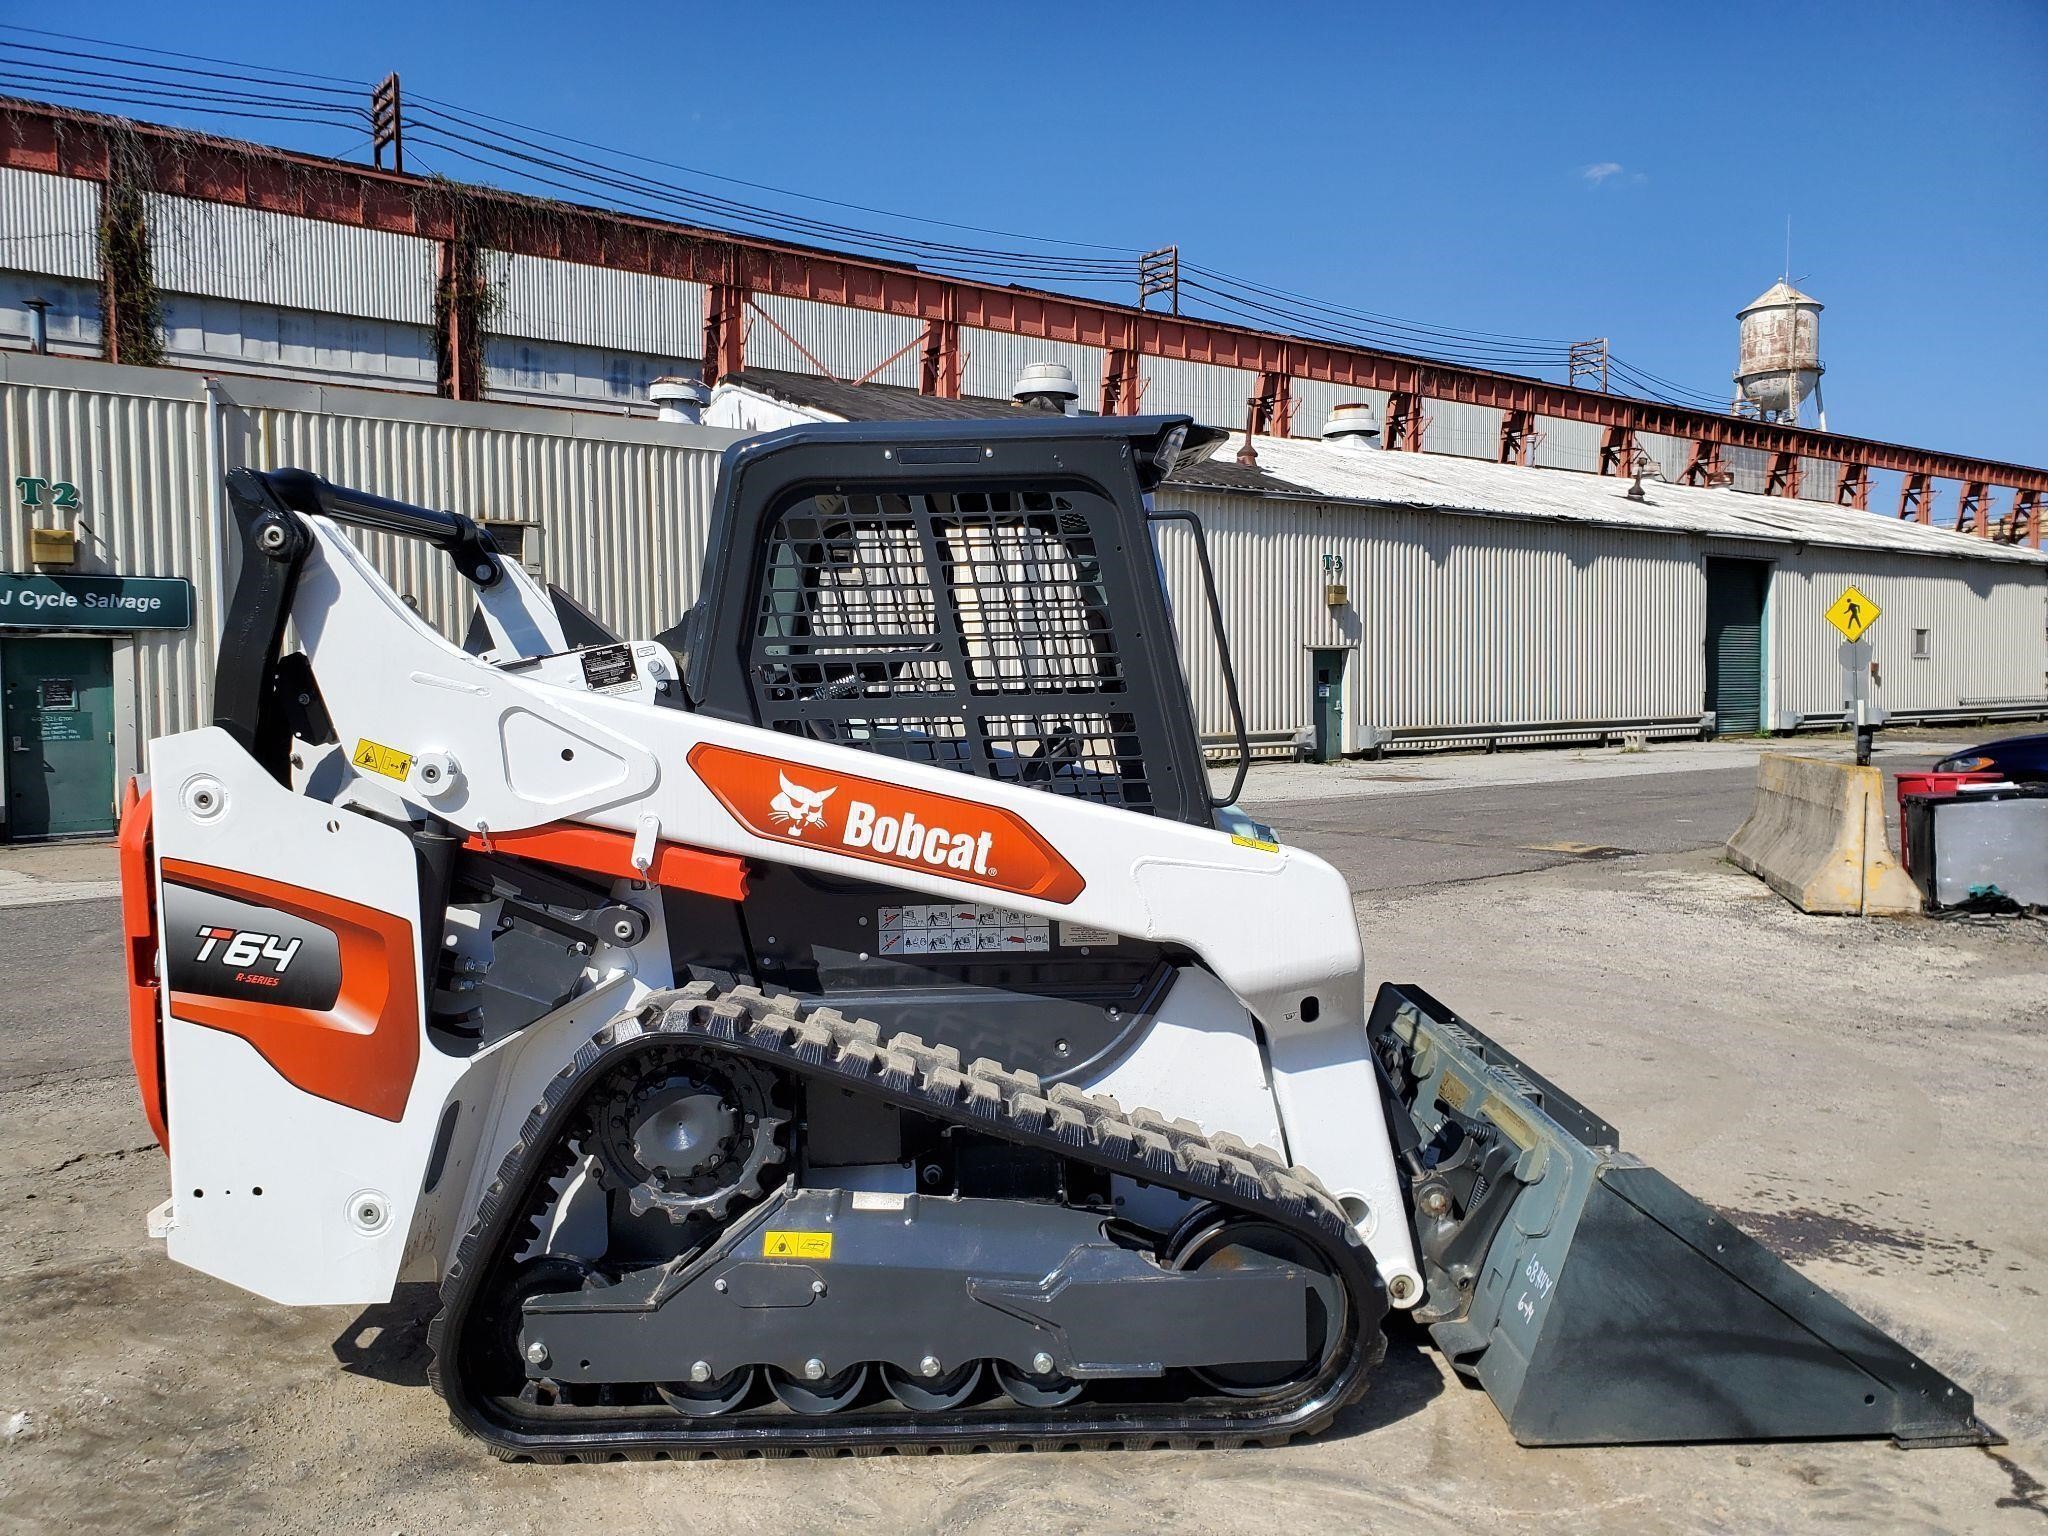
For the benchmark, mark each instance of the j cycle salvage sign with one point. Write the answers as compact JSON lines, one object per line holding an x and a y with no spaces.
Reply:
{"x":94,"y":602}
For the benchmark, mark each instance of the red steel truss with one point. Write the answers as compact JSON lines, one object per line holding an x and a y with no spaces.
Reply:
{"x":39,"y":137}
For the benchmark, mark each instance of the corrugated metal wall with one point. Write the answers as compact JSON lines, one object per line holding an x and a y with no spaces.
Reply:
{"x":1671,"y":453}
{"x":851,"y":343}
{"x":49,"y":225}
{"x":241,"y":336}
{"x":1818,"y":479}
{"x":990,"y":362}
{"x":1461,"y":627}
{"x":622,"y":507}
{"x":225,"y":251}
{"x":1468,"y":431}
{"x":1464,"y":627}
{"x":71,"y":320}
{"x":1217,"y":397}
{"x":541,"y":299}
{"x":1562,"y":444}
{"x":49,"y":250}
{"x":1314,"y":398}
{"x":136,"y":450}
{"x":1751,"y":468}
{"x":1986,"y":625}
{"x":622,"y":510}
{"x":555,"y":372}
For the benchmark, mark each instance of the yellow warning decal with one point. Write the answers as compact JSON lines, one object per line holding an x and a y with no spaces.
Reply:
{"x":796,"y":1245}
{"x":1255,"y":842}
{"x":378,"y":758}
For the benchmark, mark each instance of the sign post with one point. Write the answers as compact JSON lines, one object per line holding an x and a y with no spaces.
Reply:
{"x":1852,"y":614}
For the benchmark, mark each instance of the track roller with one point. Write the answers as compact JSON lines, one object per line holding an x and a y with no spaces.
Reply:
{"x":709,"y":1398}
{"x":818,"y":1394}
{"x":933,"y":1393}
{"x":1037,"y":1389}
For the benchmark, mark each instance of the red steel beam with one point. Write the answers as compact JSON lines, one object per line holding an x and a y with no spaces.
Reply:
{"x":2026,"y":517}
{"x":1517,"y":437}
{"x":1973,"y":508}
{"x":939,"y":370}
{"x":1618,"y":452}
{"x":59,"y":140}
{"x":1785,"y":475}
{"x":1916,"y":497}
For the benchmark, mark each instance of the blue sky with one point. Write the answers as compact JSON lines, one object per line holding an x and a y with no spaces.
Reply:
{"x":1624,"y":172}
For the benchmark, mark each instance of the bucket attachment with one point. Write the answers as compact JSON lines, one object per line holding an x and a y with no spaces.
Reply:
{"x":1596,"y":1301}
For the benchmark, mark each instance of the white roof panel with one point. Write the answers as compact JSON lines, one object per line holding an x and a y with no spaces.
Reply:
{"x":1388,"y":477}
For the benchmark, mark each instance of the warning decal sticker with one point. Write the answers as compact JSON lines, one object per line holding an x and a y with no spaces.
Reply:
{"x":375,"y":757}
{"x":796,"y":1245}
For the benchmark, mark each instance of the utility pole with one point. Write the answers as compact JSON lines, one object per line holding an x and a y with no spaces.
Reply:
{"x":1159,"y":272}
{"x":1588,"y":360}
{"x":387,"y":123}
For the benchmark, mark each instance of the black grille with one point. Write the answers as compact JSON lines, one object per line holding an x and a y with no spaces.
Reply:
{"x":979,"y":621}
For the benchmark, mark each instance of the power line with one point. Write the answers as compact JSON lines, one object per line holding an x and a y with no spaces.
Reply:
{"x":534,"y":156}
{"x":1369,"y":315}
{"x":757,"y":186}
{"x":198,"y":58}
{"x":613,"y":177}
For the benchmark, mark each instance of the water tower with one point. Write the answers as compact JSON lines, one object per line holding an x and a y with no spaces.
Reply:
{"x":1779,"y":364}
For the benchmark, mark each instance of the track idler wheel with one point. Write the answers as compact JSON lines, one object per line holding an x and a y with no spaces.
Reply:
{"x":1212,"y":1240}
{"x":818,"y":1394}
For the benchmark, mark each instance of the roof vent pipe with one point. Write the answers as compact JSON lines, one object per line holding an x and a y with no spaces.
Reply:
{"x":1046,"y":387}
{"x":1351,"y":425}
{"x":682,"y":401}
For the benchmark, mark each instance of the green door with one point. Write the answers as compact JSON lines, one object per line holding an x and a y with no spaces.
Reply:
{"x":60,"y":737}
{"x":1735,"y":645}
{"x":1328,"y":704}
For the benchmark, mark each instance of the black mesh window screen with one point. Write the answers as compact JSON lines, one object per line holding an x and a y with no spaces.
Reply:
{"x":970,"y":630}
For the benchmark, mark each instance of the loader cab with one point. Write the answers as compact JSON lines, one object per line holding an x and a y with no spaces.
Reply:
{"x":978,"y":596}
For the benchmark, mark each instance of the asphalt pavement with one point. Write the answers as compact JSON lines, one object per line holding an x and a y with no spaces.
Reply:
{"x":1861,"y":1095}
{"x":1409,"y":824}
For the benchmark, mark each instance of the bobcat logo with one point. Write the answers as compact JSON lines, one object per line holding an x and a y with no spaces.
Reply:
{"x":797,"y":807}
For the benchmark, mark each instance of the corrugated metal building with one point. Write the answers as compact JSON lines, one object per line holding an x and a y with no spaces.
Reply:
{"x":614,"y":510}
{"x":1480,"y":603}
{"x":1491,"y":604}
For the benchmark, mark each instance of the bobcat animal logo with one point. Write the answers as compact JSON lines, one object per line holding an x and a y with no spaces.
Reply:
{"x":796,"y":807}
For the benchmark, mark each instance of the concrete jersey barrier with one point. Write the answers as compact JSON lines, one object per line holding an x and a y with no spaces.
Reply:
{"x":1817,"y":837}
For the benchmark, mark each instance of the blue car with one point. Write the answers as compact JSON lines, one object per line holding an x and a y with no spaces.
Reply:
{"x":2022,"y":759}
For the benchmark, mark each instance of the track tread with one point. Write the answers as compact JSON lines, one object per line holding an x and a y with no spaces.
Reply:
{"x":1141,"y":1142}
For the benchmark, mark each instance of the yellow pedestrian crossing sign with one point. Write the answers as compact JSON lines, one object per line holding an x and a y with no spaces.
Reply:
{"x":1853,"y":614}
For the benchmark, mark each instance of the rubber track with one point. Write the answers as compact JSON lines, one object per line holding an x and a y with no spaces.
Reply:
{"x":823,"y":1045}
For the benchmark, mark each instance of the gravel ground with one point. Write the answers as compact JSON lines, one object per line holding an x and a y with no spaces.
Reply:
{"x":1864,"y":1096}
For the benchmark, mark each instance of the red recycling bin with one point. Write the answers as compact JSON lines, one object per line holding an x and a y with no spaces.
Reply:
{"x":1940,"y":786}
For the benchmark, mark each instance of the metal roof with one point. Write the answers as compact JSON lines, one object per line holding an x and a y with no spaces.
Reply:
{"x":1309,"y":469}
{"x":1325,"y":472}
{"x":866,"y":402}
{"x":1779,"y":293}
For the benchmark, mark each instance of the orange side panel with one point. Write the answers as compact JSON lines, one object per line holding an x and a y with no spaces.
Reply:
{"x":138,"y":934}
{"x":886,"y":823}
{"x":361,"y":1052}
{"x":600,"y":851}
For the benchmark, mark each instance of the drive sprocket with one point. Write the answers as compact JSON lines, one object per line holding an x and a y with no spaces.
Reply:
{"x":688,"y":1135}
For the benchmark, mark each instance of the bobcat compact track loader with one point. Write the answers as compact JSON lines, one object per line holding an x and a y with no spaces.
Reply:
{"x":850,"y":1021}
